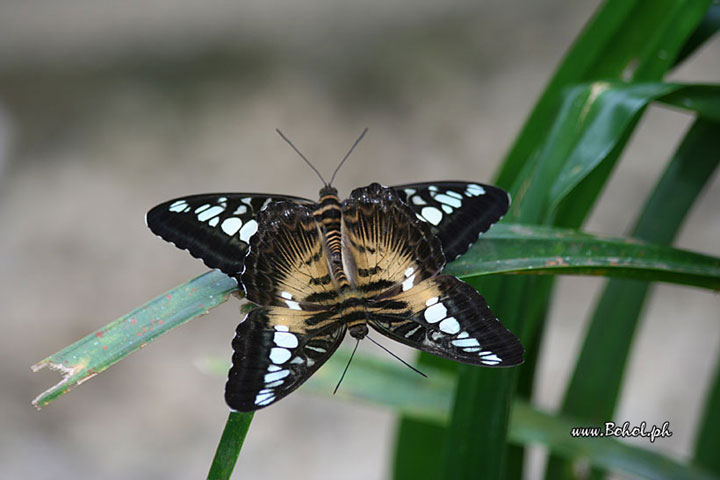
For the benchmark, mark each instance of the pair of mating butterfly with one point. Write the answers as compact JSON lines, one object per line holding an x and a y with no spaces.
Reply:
{"x":317,"y":270}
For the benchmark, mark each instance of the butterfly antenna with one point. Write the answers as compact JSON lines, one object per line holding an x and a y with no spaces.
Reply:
{"x":392,"y":354}
{"x":301,"y":156}
{"x":348,"y":154}
{"x":346,"y":367}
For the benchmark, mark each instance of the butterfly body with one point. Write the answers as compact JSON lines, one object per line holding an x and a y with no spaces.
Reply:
{"x":318,"y":270}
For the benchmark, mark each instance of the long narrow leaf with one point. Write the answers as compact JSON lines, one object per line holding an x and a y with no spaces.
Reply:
{"x":707,"y":443}
{"x":643,"y":49}
{"x":628,"y":40}
{"x":106,"y":346}
{"x":595,"y":385}
{"x":531,"y":249}
{"x":430,"y":399}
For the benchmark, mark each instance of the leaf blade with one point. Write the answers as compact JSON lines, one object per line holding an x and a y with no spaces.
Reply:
{"x":106,"y":346}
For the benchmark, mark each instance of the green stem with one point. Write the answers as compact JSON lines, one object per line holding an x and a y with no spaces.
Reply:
{"x":230,"y":444}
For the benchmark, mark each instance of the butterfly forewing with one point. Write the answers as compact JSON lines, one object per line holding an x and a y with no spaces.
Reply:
{"x":385,"y":246}
{"x":449,"y":318}
{"x":275,"y":350}
{"x":287,"y":261}
{"x":215,"y":227}
{"x":458,"y":212}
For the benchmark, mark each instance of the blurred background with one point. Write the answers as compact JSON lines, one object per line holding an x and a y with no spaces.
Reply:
{"x":108,"y":108}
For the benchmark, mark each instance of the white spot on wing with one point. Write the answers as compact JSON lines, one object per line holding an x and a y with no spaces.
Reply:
{"x":231,"y":225}
{"x":278,"y":355}
{"x":214,"y":221}
{"x":466,"y":342}
{"x":248,"y":230}
{"x":450,"y":325}
{"x":412,"y":332}
{"x":418,"y":200}
{"x":264,"y":205}
{"x":282,"y":328}
{"x":264,"y":398}
{"x":454,"y":194}
{"x":285,"y":339}
{"x":409,"y":191}
{"x":178,"y":206}
{"x":492,"y":358}
{"x":286,"y":295}
{"x":202,"y":207}
{"x":432,"y":215}
{"x":408,"y":283}
{"x":448,"y":200}
{"x":272,"y":377}
{"x":210,"y":212}
{"x":446,"y":209}
{"x":293,"y":305}
{"x":435,"y":313}
{"x":431,"y":301}
{"x":473,"y":190}
{"x":317,"y":349}
{"x":240,"y":210}
{"x":409,"y":271}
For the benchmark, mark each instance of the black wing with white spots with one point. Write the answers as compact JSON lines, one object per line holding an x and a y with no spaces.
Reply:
{"x":458,"y":212}
{"x":214,"y":227}
{"x":275,"y":350}
{"x":448,"y":318}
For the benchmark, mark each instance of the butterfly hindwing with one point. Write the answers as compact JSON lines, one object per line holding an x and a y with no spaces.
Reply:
{"x":386,"y":247}
{"x":458,"y":212}
{"x":215,"y":227}
{"x":287,"y":261}
{"x":448,"y":318}
{"x":276,"y":350}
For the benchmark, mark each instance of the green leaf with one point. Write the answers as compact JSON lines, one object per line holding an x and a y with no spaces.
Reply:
{"x":707,"y":443}
{"x":627,"y":40}
{"x":709,"y":25}
{"x":430,"y":399}
{"x":533,"y":249}
{"x":106,"y":346}
{"x":596,"y":382}
{"x":231,"y":442}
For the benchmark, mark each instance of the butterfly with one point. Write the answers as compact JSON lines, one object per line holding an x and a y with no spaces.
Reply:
{"x":317,"y":270}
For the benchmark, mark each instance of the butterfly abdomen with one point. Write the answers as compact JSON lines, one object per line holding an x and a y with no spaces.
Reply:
{"x":354,"y":314}
{"x":329,"y":215}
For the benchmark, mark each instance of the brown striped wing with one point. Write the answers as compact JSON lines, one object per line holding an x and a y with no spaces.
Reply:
{"x":448,"y":318}
{"x":385,"y":247}
{"x":287,"y":262}
{"x":276,"y":350}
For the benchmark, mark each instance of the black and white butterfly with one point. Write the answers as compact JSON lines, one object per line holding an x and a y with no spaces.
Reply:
{"x":319,"y":269}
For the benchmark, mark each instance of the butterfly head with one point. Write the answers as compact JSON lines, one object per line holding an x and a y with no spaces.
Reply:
{"x":328,"y":191}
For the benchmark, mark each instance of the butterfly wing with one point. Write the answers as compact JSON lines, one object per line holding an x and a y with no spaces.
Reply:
{"x":287,"y":264}
{"x":276,"y":349}
{"x":214,"y":227}
{"x":386,"y":248}
{"x":448,"y":318}
{"x":458,"y":212}
{"x":279,"y":345}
